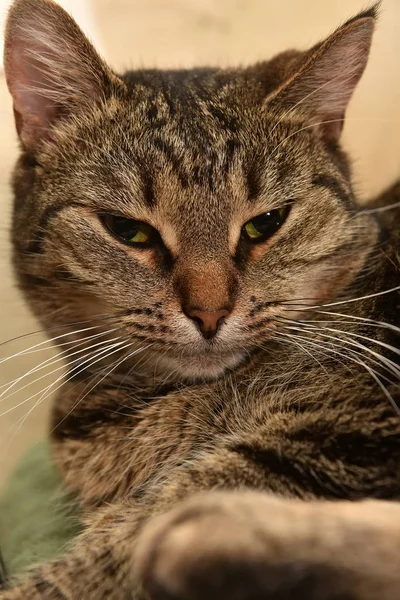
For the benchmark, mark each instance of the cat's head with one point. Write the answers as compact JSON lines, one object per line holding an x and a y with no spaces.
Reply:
{"x":194,"y":209}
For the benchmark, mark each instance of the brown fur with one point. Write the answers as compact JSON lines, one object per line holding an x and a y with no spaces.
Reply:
{"x":208,"y":467}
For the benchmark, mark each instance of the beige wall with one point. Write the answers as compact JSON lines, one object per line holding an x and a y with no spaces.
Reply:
{"x":186,"y":32}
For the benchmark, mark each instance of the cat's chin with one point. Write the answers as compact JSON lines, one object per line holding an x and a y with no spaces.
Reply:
{"x":200,"y":367}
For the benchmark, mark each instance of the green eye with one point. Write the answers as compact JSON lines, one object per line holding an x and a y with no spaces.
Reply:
{"x":129,"y":230}
{"x":264,"y":226}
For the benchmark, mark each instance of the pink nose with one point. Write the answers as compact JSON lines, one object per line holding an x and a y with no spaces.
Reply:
{"x":208,"y":322}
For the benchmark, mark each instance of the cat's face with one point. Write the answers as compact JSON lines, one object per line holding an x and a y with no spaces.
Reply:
{"x":199,"y":210}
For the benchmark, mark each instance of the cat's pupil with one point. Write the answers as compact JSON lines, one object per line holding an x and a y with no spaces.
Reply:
{"x":125,"y":228}
{"x":265,"y":225}
{"x":268,"y":221}
{"x":130,"y":231}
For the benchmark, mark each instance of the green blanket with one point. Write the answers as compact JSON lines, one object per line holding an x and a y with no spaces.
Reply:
{"x":37,"y":520}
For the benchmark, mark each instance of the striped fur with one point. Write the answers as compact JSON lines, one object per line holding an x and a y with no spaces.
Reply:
{"x":229,"y":468}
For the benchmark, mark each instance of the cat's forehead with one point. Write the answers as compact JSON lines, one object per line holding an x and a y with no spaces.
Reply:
{"x":179,"y":172}
{"x":191,"y":153}
{"x":199,"y":110}
{"x":183,"y":145}
{"x":198,"y":88}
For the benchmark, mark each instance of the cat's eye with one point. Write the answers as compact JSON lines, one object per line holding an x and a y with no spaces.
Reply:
{"x":264,"y":226}
{"x":130,"y":231}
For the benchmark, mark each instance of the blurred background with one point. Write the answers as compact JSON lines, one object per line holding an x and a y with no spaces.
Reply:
{"x":182,"y":33}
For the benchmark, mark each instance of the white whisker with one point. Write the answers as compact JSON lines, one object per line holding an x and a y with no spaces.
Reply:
{"x":367,"y":297}
{"x":49,"y":390}
{"x":391,"y":366}
{"x":47,"y":363}
{"x":114,"y":366}
{"x":382,"y":324}
{"x":22,"y":352}
{"x":371,"y":211}
{"x":84,"y":362}
{"x":66,"y":325}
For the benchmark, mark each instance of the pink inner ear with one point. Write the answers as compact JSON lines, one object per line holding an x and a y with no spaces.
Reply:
{"x":26,"y":78}
{"x":339,"y":74}
{"x":324,"y":86}
{"x":50,"y":67}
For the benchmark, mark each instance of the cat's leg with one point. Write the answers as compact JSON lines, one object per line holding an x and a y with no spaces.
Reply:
{"x":251,"y":546}
{"x":228,"y":545}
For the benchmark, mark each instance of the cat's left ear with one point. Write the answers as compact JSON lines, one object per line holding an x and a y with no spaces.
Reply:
{"x":321,"y":88}
{"x":51,"y":68}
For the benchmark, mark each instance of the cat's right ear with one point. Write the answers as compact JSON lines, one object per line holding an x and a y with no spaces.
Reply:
{"x":51,"y":68}
{"x":324,"y":80}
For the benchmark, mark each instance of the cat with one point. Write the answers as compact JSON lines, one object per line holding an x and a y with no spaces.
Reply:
{"x":229,"y":316}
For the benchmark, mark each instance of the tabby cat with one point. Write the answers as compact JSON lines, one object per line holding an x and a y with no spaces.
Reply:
{"x":229,"y":317}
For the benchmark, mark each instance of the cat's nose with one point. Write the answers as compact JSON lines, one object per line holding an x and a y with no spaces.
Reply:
{"x":207,"y":322}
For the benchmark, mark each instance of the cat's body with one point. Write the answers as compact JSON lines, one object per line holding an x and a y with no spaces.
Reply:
{"x":255,"y":361}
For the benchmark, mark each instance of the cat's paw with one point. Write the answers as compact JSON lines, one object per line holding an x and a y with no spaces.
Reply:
{"x":232,"y":547}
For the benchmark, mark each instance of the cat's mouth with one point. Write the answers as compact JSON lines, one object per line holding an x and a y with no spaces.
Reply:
{"x":200,"y":366}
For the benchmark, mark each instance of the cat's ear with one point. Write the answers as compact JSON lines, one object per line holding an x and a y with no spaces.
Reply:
{"x":323,"y":84}
{"x":51,"y":68}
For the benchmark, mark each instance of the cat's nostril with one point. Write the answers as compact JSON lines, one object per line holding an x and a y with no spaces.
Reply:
{"x":207,"y":321}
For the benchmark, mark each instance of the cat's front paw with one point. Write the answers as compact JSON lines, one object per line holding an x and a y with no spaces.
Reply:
{"x":231,"y":547}
{"x":251,"y":546}
{"x":199,"y":551}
